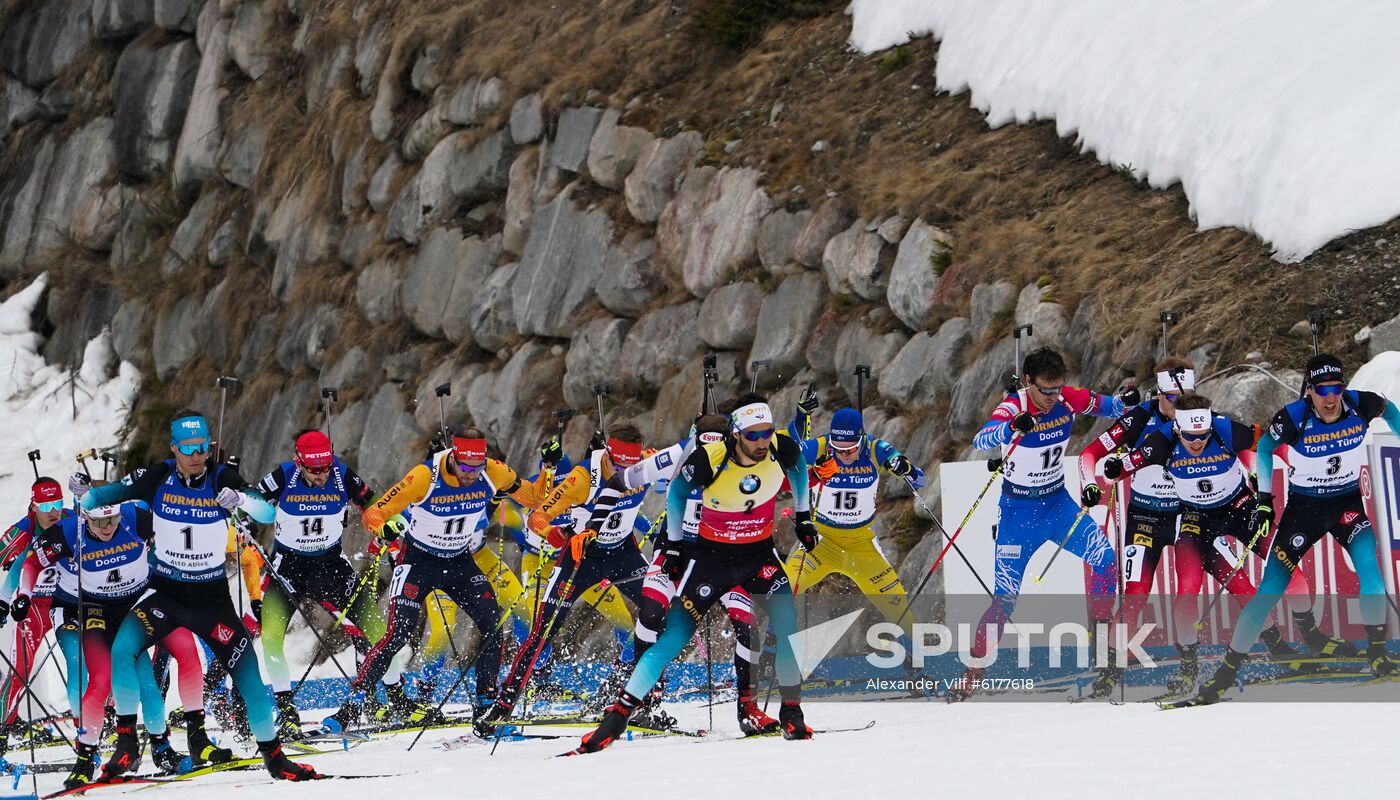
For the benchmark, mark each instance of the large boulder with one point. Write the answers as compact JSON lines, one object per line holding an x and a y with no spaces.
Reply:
{"x":115,"y":19}
{"x":593,"y":358}
{"x":725,"y":230}
{"x":352,"y":369}
{"x":371,"y":49}
{"x":459,"y":169}
{"x":250,"y":41}
{"x":979,"y":388}
{"x":151,"y":90}
{"x":425,"y":133}
{"x":520,"y":203}
{"x":41,"y":41}
{"x":1385,"y":336}
{"x":326,"y":70}
{"x":862,"y":344}
{"x":784,"y":323}
{"x":81,"y":312}
{"x":98,"y":217}
{"x":631,"y":277}
{"x":1049,"y":325}
{"x":18,"y":105}
{"x":129,"y":326}
{"x":989,"y":300}
{"x":1251,"y":396}
{"x":653,"y":180}
{"x":660,"y":343}
{"x":377,"y":291}
{"x":498,"y":400}
{"x":241,"y":154}
{"x":832,"y":217}
{"x":383,"y":455}
{"x":527,"y":119}
{"x":927,"y":366}
{"x":83,"y":164}
{"x":178,"y":15}
{"x":476,"y":262}
{"x":187,"y":243}
{"x":18,"y":210}
{"x":777,"y":237}
{"x":821,"y":342}
{"x":563,"y":261}
{"x":446,"y":259}
{"x":201,"y":134}
{"x":680,"y":217}
{"x":729,"y":316}
{"x":912,"y":279}
{"x":453,"y":410}
{"x":475,"y":100}
{"x":175,"y":341}
{"x":492,"y":319}
{"x":857,"y":261}
{"x":614,"y":150}
{"x":572,"y":137}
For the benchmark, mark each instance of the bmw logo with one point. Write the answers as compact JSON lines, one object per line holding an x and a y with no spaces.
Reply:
{"x":750,"y":484}
{"x":704,"y":590}
{"x":1299,"y":540}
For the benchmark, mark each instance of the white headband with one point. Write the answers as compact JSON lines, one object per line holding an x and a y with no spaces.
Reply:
{"x":1183,"y":381}
{"x":1195,"y":420}
{"x":751,"y":416}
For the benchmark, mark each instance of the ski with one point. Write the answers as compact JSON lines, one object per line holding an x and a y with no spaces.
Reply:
{"x":102,"y":783}
{"x":1189,"y":702}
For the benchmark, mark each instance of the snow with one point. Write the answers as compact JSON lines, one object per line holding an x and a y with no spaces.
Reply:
{"x":1381,"y":375}
{"x":1276,"y":116}
{"x":994,"y":750}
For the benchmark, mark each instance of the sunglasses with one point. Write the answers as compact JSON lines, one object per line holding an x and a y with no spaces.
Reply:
{"x":315,"y":470}
{"x":757,"y":436}
{"x":1049,"y":391}
{"x":193,"y":449}
{"x":103,"y":522}
{"x":848,"y":448}
{"x":50,"y":507}
{"x":464,"y":467}
{"x":1171,"y":397}
{"x":1194,"y":437}
{"x":1328,"y":390}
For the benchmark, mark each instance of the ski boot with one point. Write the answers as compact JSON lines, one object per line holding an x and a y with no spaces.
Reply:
{"x":283,"y":768}
{"x":407,"y":710}
{"x":790,"y":717}
{"x":966,"y":686}
{"x":613,"y":725}
{"x":1212,"y":690}
{"x":650,"y":715}
{"x":1107,"y":679}
{"x":425,"y":689}
{"x":752,"y":720}
{"x":1319,"y":643}
{"x":202,"y":748}
{"x":345,"y":717}
{"x":288,"y":717}
{"x":488,"y":718}
{"x":1272,"y":638}
{"x":1381,"y":665}
{"x":1186,"y":674}
{"x":83,"y":768}
{"x":127,"y":756}
{"x":169,"y":760}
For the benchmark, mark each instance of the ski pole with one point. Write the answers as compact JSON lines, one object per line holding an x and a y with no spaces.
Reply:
{"x":995,"y":474}
{"x":82,"y":606}
{"x":29,"y":692}
{"x":1063,"y":542}
{"x":1239,"y":565}
{"x":371,"y":570}
{"x":599,"y":391}
{"x":920,"y":500}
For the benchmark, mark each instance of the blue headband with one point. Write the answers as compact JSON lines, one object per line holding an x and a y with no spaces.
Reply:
{"x":185,"y":428}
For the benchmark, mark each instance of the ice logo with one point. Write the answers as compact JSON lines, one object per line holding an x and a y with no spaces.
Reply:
{"x":749,"y":484}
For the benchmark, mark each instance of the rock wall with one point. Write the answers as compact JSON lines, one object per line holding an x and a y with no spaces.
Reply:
{"x":237,"y":189}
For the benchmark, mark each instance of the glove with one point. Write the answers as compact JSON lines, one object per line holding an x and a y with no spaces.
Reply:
{"x":4,"y":612}
{"x":807,"y":402}
{"x":579,"y":542}
{"x":598,"y":441}
{"x":394,"y":527}
{"x":1262,"y":520}
{"x":1130,"y":396}
{"x":806,"y":532}
{"x":376,"y":546}
{"x":228,"y":498}
{"x":551,"y":453}
{"x":994,"y":464}
{"x":19,"y":609}
{"x":257,"y":610}
{"x":1113,"y":468}
{"x":1023,"y":422}
{"x":50,"y":554}
{"x":1091,"y":495}
{"x":899,"y":466}
{"x":78,"y":484}
{"x":825,"y":468}
{"x":556,"y":537}
{"x":673,"y":561}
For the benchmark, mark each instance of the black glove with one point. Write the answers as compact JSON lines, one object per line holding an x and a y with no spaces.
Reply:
{"x":1113,"y":468}
{"x":1091,"y":495}
{"x":806,"y":532}
{"x":551,"y":453}
{"x":393,"y":528}
{"x":807,"y":402}
{"x":19,"y":609}
{"x":673,"y":560}
{"x":4,"y":612}
{"x":1262,"y":520}
{"x":899,"y":466}
{"x":994,"y":464}
{"x":257,"y":610}
{"x":1023,"y":422}
{"x":1130,"y":396}
{"x":597,"y":442}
